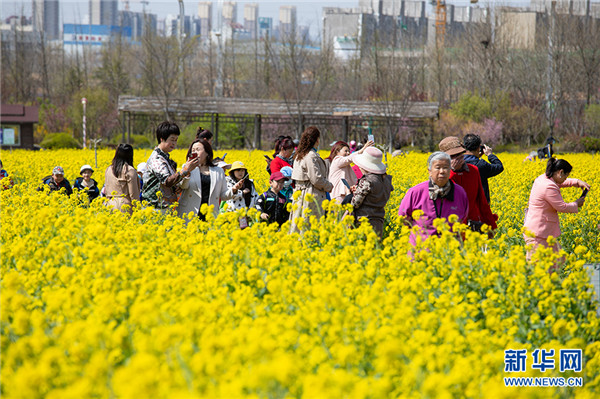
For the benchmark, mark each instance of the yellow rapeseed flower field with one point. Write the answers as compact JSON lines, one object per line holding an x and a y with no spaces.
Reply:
{"x":103,"y":304}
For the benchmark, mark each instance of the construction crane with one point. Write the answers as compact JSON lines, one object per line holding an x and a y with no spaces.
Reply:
{"x":440,"y":22}
{"x":144,"y":4}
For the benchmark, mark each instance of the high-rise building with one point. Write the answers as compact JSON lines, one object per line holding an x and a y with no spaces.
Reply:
{"x":370,"y":6}
{"x":139,"y":22}
{"x":172,"y":25}
{"x":251,"y":19}
{"x":265,"y":27}
{"x":287,"y":21}
{"x":104,"y":12}
{"x":45,"y":18}
{"x":229,"y":12}
{"x":205,"y":15}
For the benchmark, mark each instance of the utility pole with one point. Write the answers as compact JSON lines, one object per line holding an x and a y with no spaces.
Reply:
{"x":96,"y":141}
{"x":84,"y":102}
{"x":180,"y":39}
{"x":219,"y":35}
{"x":550,"y":106}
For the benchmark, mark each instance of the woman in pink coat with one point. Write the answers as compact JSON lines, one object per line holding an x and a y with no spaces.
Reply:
{"x":545,"y":201}
{"x":340,"y":160}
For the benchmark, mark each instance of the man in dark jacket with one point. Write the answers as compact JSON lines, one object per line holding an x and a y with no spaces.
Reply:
{"x":58,"y":181}
{"x":475,"y":150}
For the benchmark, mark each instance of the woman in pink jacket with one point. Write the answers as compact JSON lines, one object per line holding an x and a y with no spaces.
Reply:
{"x":545,"y":201}
{"x":340,"y":160}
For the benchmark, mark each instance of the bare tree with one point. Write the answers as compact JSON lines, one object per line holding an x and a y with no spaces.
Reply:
{"x":300,"y":74}
{"x":586,"y":41}
{"x":113,"y":73}
{"x":159,"y":64}
{"x":18,"y":56}
{"x":392,"y":75}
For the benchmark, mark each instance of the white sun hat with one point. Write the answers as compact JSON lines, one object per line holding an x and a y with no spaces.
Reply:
{"x":371,"y":161}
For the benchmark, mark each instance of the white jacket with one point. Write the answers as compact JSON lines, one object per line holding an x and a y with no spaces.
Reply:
{"x":191,"y":197}
{"x":237,"y":201}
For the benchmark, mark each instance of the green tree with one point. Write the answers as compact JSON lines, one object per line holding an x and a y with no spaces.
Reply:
{"x":101,"y":115}
{"x":472,"y":106}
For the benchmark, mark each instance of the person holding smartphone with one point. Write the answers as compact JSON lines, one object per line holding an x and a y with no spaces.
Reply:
{"x":474,"y":151}
{"x":341,"y":160}
{"x":161,"y":179}
{"x":246,"y":197}
{"x":204,"y":184}
{"x":545,"y":201}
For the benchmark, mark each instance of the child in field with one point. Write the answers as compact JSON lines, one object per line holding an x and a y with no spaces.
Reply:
{"x":288,"y":188}
{"x":56,"y":181}
{"x":272,"y":205}
{"x":8,"y":183}
{"x":245,"y":197}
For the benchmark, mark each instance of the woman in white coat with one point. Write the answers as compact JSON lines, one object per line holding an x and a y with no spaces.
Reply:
{"x":205,"y":184}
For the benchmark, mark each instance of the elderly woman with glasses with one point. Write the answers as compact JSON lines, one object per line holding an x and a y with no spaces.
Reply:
{"x":437,"y":197}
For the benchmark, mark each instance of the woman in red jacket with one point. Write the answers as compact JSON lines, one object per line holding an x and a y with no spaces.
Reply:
{"x":283,"y":155}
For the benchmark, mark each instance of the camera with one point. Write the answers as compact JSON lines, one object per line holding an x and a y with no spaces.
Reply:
{"x":481,"y":148}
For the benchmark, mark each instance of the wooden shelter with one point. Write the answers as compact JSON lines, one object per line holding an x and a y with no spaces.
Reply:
{"x":16,"y":125}
{"x":341,"y":117}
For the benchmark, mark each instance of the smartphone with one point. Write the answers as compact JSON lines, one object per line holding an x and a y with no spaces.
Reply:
{"x":223,"y":157}
{"x":370,"y":137}
{"x":481,"y":149}
{"x":193,"y":155}
{"x":585,"y":191}
{"x":346,"y":183}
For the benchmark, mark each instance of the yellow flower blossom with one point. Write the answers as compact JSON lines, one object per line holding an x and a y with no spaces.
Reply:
{"x":99,"y":304}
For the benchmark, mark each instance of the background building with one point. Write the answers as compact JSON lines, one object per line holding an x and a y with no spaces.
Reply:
{"x":104,"y":12}
{"x":229,"y":12}
{"x":78,"y":37}
{"x":287,"y":21}
{"x":265,"y":27}
{"x":412,"y":24}
{"x":205,"y":17}
{"x":45,"y":18}
{"x":138,"y":22}
{"x":251,"y":19}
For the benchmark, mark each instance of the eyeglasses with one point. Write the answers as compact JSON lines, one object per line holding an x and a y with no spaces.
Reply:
{"x":456,"y":155}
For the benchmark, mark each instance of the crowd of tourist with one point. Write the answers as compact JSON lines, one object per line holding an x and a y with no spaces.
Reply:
{"x":300,"y":180}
